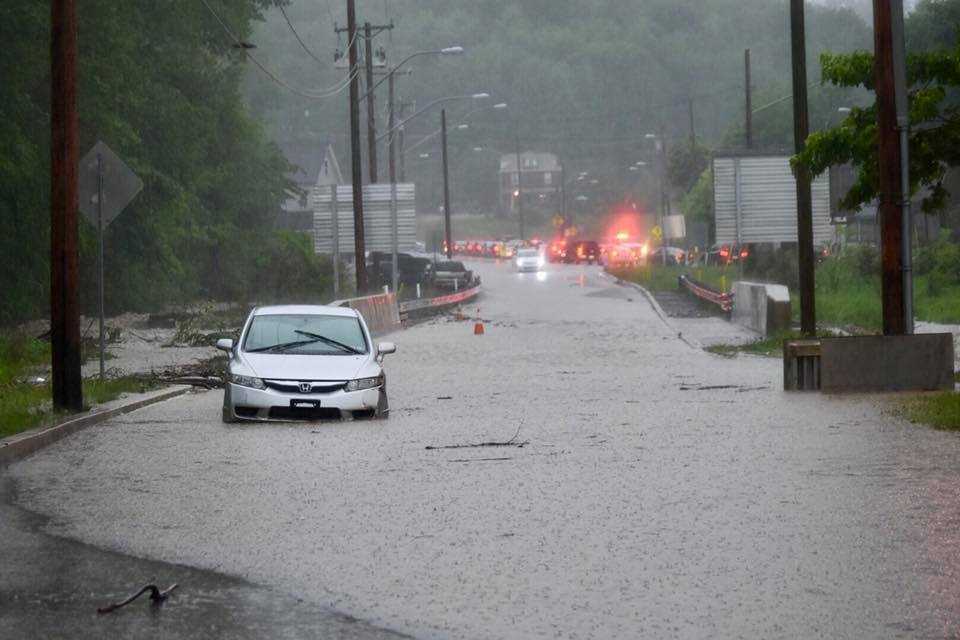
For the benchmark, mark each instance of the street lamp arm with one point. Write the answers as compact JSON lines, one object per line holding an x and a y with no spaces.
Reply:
{"x":474,"y":96}
{"x":428,"y":52}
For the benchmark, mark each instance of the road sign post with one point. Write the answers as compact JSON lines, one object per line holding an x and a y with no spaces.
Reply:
{"x":107,"y":185}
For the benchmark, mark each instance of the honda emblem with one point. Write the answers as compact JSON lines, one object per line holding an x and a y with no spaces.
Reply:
{"x":306,"y":387}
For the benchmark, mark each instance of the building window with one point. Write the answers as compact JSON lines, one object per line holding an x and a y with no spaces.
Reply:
{"x":514,"y":178}
{"x":547,"y":179}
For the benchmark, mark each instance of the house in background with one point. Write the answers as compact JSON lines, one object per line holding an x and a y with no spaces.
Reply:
{"x":538,"y":182}
{"x":311,"y":165}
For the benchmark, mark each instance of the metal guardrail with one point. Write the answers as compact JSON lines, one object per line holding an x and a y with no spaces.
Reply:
{"x":722,"y":299}
{"x":407,"y":306}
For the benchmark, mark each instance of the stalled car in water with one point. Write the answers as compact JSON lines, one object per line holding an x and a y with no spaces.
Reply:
{"x":451,"y":274}
{"x":304,"y":362}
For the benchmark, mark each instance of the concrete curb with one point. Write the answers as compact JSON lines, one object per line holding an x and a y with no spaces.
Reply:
{"x":21,"y":445}
{"x":657,"y":309}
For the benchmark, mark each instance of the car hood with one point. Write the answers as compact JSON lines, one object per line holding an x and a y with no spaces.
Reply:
{"x":285,"y":366}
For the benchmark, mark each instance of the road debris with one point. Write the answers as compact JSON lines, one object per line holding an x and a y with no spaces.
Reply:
{"x":157,"y":597}
{"x":512,"y":442}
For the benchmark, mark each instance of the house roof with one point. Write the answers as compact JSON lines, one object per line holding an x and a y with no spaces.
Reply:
{"x":529,"y":161}
{"x":312,"y":163}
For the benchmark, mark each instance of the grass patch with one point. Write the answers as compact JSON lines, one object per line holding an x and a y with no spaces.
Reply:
{"x":660,"y":277}
{"x":771,"y":346}
{"x":24,"y":403}
{"x":939,"y":410}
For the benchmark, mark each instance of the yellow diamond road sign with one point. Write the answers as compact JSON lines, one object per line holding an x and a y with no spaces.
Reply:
{"x":656,"y":232}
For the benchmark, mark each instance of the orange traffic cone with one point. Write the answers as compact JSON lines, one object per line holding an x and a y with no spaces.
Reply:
{"x":459,"y":316}
{"x":478,"y":325}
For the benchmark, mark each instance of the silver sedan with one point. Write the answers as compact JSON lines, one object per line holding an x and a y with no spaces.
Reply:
{"x":304,"y":362}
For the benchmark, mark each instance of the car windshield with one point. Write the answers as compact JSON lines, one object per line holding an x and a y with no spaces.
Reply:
{"x":528,"y":253}
{"x":306,"y":334}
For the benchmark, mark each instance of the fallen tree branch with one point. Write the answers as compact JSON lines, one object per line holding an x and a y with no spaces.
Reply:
{"x":156,"y":596}
{"x":512,"y":442}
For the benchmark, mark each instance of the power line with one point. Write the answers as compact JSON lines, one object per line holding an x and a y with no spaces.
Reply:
{"x":644,"y":110}
{"x":319,"y":95}
{"x":297,"y":36}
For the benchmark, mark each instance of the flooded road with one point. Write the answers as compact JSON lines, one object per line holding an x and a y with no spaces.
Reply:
{"x":662,"y":491}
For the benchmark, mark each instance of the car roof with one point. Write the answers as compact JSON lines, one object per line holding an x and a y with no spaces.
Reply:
{"x":305,"y":310}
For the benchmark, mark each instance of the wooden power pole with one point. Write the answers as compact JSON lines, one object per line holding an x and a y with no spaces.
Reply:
{"x":891,"y":231}
{"x":356,"y":163}
{"x":748,"y":115}
{"x":64,"y":207}
{"x":801,"y":129}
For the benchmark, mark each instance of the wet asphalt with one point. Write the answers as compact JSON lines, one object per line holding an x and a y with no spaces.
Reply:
{"x":660,"y":491}
{"x":51,"y":587}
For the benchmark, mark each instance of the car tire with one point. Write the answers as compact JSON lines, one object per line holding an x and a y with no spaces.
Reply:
{"x":227,"y":416}
{"x":383,"y":406}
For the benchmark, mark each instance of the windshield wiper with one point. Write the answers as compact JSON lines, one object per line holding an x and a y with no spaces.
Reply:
{"x":283,"y":346}
{"x":334,"y":343}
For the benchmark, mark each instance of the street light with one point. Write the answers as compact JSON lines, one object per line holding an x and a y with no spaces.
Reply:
{"x":471,"y":96}
{"x":432,"y":134}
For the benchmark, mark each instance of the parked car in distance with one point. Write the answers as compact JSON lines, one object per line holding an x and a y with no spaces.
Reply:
{"x":582,"y":251}
{"x":528,"y":259}
{"x":674,"y":255}
{"x":304,"y":362}
{"x":451,"y":274}
{"x":411,"y":270}
{"x":725,"y":254}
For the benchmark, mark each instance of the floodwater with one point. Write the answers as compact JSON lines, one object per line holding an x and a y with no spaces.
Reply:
{"x":660,"y":491}
{"x":51,"y":587}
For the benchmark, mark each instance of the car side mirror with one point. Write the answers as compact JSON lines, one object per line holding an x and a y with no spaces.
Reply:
{"x":386,"y":347}
{"x":225,"y":344}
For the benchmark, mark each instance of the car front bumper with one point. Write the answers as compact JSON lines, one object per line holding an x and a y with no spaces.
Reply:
{"x":246,"y":403}
{"x":531,"y":265}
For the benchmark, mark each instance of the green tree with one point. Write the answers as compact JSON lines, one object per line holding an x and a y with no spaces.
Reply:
{"x":935,"y":121}
{"x":933,"y":75}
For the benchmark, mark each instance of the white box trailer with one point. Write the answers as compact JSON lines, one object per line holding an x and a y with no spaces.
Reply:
{"x":755,"y":200}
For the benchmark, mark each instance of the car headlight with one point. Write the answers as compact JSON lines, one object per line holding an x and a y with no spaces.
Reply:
{"x":247,"y":381}
{"x":364,"y":383}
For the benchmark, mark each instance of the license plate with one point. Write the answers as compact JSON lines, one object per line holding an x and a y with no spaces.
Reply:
{"x":304,"y":404}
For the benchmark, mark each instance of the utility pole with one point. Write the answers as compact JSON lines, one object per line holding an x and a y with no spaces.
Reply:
{"x":370,"y":31}
{"x":64,"y":207}
{"x":446,"y":185}
{"x":371,"y":117}
{"x":403,"y":104}
{"x":749,"y":97}
{"x":356,"y":166}
{"x":801,"y":129}
{"x":664,"y":190}
{"x":391,"y":152}
{"x":519,"y":189}
{"x":891,"y":231}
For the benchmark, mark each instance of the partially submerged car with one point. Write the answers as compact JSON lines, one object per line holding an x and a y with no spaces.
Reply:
{"x":451,"y":274}
{"x":304,"y":362}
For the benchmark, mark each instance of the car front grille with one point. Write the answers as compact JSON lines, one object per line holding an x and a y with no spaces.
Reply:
{"x":316,"y":386}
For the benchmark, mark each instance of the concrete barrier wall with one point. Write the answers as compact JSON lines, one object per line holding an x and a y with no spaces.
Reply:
{"x":381,"y":312}
{"x":764,"y":308}
{"x":922,"y":362}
